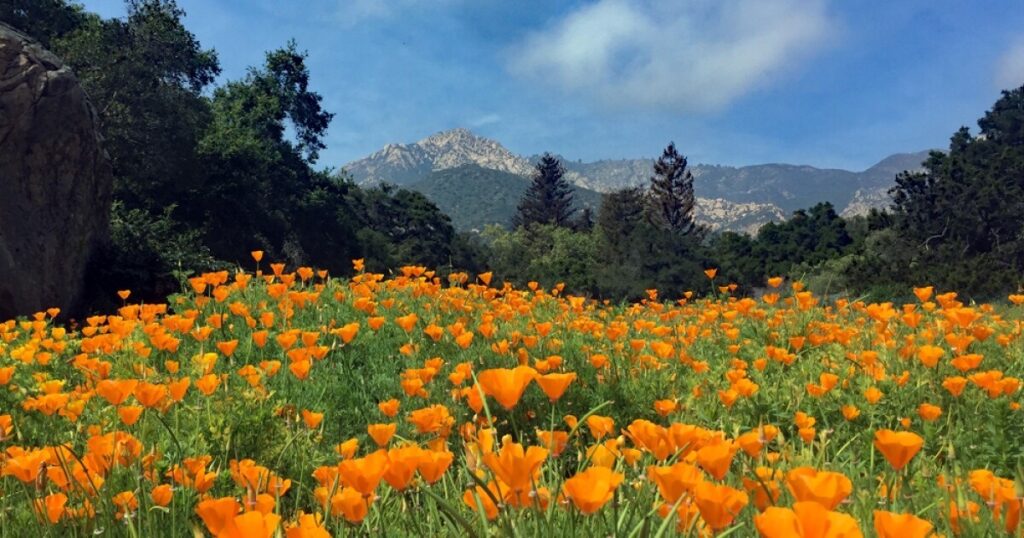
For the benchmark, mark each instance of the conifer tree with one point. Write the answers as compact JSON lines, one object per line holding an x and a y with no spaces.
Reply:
{"x":671,"y":198}
{"x":620,"y":214}
{"x":549,"y":198}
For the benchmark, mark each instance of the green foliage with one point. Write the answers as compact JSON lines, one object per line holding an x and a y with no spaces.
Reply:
{"x":413,"y":229}
{"x":548,"y":200}
{"x":961,"y":216}
{"x":671,"y":199}
{"x":148,"y":251}
{"x":202,"y":178}
{"x":474,"y":196}
{"x":544,"y":253}
{"x":145,"y":75}
{"x":43,"y":20}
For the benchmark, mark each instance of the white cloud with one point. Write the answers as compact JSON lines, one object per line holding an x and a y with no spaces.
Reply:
{"x":1010,"y":68}
{"x":697,"y":56}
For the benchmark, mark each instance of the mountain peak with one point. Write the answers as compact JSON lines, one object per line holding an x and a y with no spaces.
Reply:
{"x":748,"y":194}
{"x":459,"y":136}
{"x":403,"y":164}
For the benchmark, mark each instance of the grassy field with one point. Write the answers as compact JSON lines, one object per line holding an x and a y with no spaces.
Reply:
{"x":281,"y":403}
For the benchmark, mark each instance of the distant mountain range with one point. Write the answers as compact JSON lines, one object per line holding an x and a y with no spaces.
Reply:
{"x":477,"y":181}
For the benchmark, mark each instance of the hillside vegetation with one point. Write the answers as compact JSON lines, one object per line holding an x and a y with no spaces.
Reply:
{"x":474,"y":196}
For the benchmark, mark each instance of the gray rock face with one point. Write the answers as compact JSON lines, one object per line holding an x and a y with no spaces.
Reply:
{"x":55,"y":180}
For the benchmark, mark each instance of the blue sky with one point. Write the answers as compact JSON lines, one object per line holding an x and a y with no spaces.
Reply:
{"x":827,"y":83}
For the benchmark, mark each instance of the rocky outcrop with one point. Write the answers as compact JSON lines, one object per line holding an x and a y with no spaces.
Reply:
{"x":55,"y":180}
{"x":403,"y":164}
{"x":719,"y":214}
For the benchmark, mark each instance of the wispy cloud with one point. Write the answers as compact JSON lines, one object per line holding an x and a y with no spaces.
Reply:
{"x":1010,"y":68}
{"x":697,"y":56}
{"x":486,"y":119}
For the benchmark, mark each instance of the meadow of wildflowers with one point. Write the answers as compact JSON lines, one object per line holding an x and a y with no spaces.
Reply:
{"x":281,"y":402}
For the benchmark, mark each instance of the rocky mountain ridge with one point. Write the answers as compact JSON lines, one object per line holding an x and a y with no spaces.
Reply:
{"x":729,"y":198}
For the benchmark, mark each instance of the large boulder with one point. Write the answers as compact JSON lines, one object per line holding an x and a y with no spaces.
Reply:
{"x":55,"y":180}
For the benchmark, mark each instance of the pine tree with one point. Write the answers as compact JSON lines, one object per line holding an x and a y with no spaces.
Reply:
{"x":549,"y":198}
{"x":671,"y":199}
{"x":620,"y":214}
{"x":585,"y":222}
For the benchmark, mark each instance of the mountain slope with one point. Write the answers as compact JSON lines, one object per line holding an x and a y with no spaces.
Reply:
{"x":729,"y":197}
{"x":404,"y":164}
{"x":474,"y":196}
{"x":877,"y":180}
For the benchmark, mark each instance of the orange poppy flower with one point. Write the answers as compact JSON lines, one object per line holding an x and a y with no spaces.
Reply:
{"x":347,"y":449}
{"x":505,"y":385}
{"x":407,"y":322}
{"x":218,"y":514}
{"x":177,"y":389}
{"x":208,"y":383}
{"x":464,"y":340}
{"x":555,"y":441}
{"x":930,"y":355}
{"x":54,"y":504}
{"x":433,"y":464}
{"x":924,"y":293}
{"x":676,"y":480}
{"x":26,"y":466}
{"x":389,"y":407}
{"x":350,"y":504}
{"x":719,"y":505}
{"x":402,"y":464}
{"x":300,"y":369}
{"x":716,"y":458}
{"x":482,"y":499}
{"x":150,"y":394}
{"x":892,"y":525}
{"x":955,"y":385}
{"x":312,"y":419}
{"x":652,"y":438}
{"x":898,"y":447}
{"x":665,"y":407}
{"x":116,"y":391}
{"x":307,"y":526}
{"x":555,"y":385}
{"x":515,"y":466}
{"x":826,"y":488}
{"x":433,"y":419}
{"x":363,"y":474}
{"x":592,"y":489}
{"x":600,"y":426}
{"x":806,"y":520}
{"x":929,"y":412}
{"x":381,"y":433}
{"x":161,"y":495}
{"x":129,"y":414}
{"x":764,"y":487}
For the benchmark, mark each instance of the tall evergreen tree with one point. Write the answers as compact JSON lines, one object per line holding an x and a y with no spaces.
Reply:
{"x":585,"y":222}
{"x":959,"y":219}
{"x":620,"y":214}
{"x":671,"y":199}
{"x":549,"y":198}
